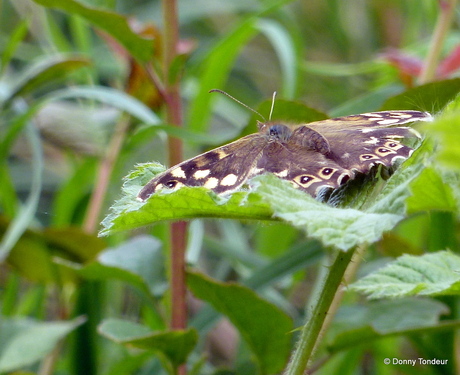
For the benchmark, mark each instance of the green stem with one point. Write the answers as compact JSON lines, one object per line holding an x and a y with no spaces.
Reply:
{"x":311,"y":331}
{"x":443,"y":25}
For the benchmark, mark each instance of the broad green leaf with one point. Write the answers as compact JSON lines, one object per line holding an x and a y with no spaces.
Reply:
{"x":358,"y":324}
{"x":342,"y":228}
{"x":33,"y":254}
{"x":432,"y":274}
{"x":430,"y":192}
{"x":290,"y":111}
{"x":113,"y":23}
{"x":24,"y":342}
{"x":175,"y":345}
{"x":431,"y":97}
{"x":138,"y":261}
{"x":300,"y":257}
{"x":271,"y":197}
{"x":185,"y":203}
{"x":74,"y":242}
{"x":264,"y":327}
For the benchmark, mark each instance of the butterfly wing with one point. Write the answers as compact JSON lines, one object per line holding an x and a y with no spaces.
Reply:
{"x":359,"y":142}
{"x":307,"y":169}
{"x":222,"y":170}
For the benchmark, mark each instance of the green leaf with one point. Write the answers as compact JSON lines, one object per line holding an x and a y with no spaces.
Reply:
{"x":215,"y":71}
{"x":216,"y":67}
{"x":24,"y":342}
{"x":431,"y":97}
{"x":115,"y":98}
{"x":432,"y":274}
{"x":291,"y":111}
{"x":358,"y":324}
{"x":446,"y":129}
{"x":14,"y":39}
{"x":44,"y":72}
{"x":175,"y":345}
{"x":27,"y":213}
{"x":264,"y":327}
{"x":300,"y":257}
{"x":342,"y":228}
{"x":138,"y":261}
{"x":430,"y":192}
{"x":283,"y":44}
{"x":113,"y":23}
{"x":270,"y":198}
{"x":33,"y":254}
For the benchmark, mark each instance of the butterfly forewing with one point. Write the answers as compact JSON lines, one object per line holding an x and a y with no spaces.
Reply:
{"x":223,"y":169}
{"x":313,"y":157}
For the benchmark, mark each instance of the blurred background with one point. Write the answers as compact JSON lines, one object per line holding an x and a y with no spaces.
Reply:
{"x":79,"y":109}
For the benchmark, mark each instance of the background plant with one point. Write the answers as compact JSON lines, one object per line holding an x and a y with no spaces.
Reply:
{"x":84,"y":98}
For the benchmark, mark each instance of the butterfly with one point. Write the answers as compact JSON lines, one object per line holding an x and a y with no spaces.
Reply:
{"x":316,"y":158}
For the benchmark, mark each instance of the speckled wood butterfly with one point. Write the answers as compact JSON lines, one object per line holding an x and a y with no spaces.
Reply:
{"x":316,"y":157}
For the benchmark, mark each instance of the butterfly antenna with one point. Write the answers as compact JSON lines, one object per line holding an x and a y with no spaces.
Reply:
{"x":239,"y":102}
{"x":273,"y":105}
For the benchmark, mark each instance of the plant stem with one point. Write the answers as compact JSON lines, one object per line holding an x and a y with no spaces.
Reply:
{"x":174,"y":117}
{"x":312,"y":330}
{"x":103,"y":176}
{"x":446,"y":15}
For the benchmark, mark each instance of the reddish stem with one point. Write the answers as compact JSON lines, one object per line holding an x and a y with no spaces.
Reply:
{"x":174,"y":117}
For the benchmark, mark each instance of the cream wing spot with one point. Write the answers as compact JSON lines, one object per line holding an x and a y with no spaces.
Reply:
{"x":178,"y":172}
{"x":221,"y":154}
{"x":201,"y":174}
{"x":388,"y":121}
{"x":281,"y":174}
{"x":229,"y":180}
{"x":211,"y":183}
{"x":372,"y":141}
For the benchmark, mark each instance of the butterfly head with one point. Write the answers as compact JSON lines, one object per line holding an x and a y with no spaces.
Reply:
{"x":275,"y":131}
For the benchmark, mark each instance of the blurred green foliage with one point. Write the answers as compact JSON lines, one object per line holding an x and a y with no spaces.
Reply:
{"x":81,"y":104}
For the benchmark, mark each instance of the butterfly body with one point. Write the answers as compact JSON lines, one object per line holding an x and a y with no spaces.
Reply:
{"x":314,"y":157}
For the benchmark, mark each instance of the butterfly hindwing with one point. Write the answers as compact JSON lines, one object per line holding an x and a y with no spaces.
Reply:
{"x":361,"y":141}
